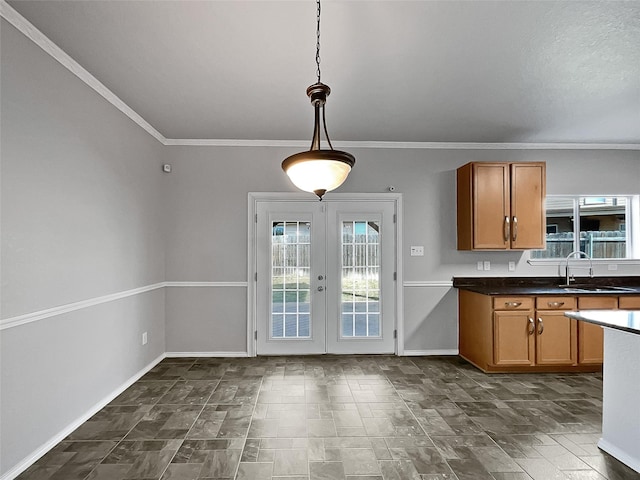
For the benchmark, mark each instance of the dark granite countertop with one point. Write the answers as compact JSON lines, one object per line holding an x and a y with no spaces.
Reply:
{"x":617,"y":286}
{"x":625,"y":320}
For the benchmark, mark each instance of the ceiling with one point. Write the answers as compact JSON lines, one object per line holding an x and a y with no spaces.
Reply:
{"x":400,"y":71}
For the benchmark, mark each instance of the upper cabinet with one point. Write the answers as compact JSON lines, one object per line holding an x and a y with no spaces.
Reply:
{"x":501,"y":206}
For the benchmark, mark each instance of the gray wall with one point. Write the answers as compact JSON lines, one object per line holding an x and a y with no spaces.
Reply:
{"x":81,"y":218}
{"x":86,"y":212}
{"x":207,"y":217}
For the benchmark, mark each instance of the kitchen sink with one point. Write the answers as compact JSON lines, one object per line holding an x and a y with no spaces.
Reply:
{"x":595,"y":288}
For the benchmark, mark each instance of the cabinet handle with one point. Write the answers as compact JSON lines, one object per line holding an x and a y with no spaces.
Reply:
{"x":555,"y":304}
{"x":512,"y":304}
{"x":532,"y":326}
{"x":514,"y":230}
{"x":540,"y":326}
{"x":506,"y":229}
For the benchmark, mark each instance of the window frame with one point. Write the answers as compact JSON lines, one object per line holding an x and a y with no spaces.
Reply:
{"x":632,"y":230}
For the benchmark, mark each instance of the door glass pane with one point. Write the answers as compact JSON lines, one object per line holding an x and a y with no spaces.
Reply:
{"x":290,"y":280}
{"x":360,"y":279}
{"x":603,"y":226}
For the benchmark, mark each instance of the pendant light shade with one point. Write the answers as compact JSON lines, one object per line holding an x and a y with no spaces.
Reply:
{"x":319,"y":170}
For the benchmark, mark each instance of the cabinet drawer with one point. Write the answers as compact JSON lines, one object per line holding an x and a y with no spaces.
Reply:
{"x":629,"y":303}
{"x":597,"y":303}
{"x":555,"y":303}
{"x":512,"y":303}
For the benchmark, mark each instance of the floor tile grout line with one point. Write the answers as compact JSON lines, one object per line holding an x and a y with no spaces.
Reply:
{"x":445,"y":459}
{"x":505,"y":401}
{"x":246,"y":436}
{"x":190,"y":428}
{"x":416,"y":418}
{"x":442,"y":374}
{"x":128,"y":431}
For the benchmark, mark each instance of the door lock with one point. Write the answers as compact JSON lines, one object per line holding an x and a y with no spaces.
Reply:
{"x":320,"y":277}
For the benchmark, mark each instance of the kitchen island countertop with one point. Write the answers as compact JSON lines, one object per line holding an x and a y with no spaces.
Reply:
{"x":625,"y":320}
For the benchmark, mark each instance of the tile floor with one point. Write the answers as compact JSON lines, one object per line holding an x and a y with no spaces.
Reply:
{"x":340,"y":418}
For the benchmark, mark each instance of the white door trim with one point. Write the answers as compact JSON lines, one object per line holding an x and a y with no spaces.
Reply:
{"x":255,"y":197}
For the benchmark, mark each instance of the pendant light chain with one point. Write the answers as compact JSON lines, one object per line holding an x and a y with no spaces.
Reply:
{"x":318,"y":42}
{"x":318,"y":170}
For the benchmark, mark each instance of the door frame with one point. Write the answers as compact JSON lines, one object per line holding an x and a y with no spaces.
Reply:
{"x":252,"y":298}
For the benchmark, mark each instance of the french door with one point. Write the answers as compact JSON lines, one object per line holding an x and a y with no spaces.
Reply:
{"x":325,"y":277}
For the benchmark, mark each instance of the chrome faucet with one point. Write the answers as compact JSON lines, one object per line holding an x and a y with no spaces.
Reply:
{"x":568,"y":277}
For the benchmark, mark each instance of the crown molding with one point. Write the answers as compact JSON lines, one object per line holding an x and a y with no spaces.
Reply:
{"x":36,"y":36}
{"x":402,"y":145}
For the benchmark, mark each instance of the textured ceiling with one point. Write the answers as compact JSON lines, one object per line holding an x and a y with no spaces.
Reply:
{"x":417,"y":71}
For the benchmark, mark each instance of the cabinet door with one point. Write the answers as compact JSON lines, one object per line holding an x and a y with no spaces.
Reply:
{"x":555,"y":339}
{"x":528,"y":216}
{"x":590,"y":336}
{"x":590,"y":344}
{"x":513,"y":338}
{"x":490,"y":206}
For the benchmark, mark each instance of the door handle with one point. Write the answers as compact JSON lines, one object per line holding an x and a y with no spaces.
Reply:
{"x":540,"y":326}
{"x":506,"y":229}
{"x":514,"y":230}
{"x":320,"y":288}
{"x":532,"y":326}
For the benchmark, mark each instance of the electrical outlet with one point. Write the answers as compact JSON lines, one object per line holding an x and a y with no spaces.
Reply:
{"x":487,"y":265}
{"x":512,"y":266}
{"x":144,"y":338}
{"x":480,"y":266}
{"x":417,"y":251}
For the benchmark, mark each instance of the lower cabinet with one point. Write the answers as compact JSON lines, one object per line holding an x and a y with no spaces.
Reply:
{"x":556,"y":334}
{"x":507,"y":334}
{"x":629,"y":302}
{"x":513,"y":342}
{"x":590,"y":336}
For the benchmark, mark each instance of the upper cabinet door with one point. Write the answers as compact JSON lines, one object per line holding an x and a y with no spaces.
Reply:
{"x":491,"y":206}
{"x":501,"y":206}
{"x":528,"y":216}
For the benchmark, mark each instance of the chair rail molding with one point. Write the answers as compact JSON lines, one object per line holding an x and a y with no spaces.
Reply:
{"x":71,"y":307}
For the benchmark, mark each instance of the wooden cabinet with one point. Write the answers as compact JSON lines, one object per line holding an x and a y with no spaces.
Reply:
{"x":500,"y":333}
{"x":524,"y":333}
{"x":590,"y":336}
{"x":628,"y":302}
{"x":555,"y":334}
{"x":500,"y":206}
{"x":513,"y":331}
{"x":523,"y":336}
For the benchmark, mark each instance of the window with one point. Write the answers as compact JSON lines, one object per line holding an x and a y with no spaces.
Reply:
{"x":600,"y":226}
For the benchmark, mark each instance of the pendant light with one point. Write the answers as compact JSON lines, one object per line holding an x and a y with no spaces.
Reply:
{"x":318,"y":170}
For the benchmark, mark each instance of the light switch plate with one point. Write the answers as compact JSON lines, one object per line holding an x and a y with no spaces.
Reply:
{"x":512,"y":266}
{"x":487,"y":265}
{"x":480,"y":266}
{"x":417,"y":251}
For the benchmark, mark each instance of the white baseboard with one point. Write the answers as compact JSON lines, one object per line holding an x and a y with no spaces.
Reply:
{"x":427,"y":353}
{"x":52,"y":442}
{"x":205,"y":354}
{"x":624,"y":457}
